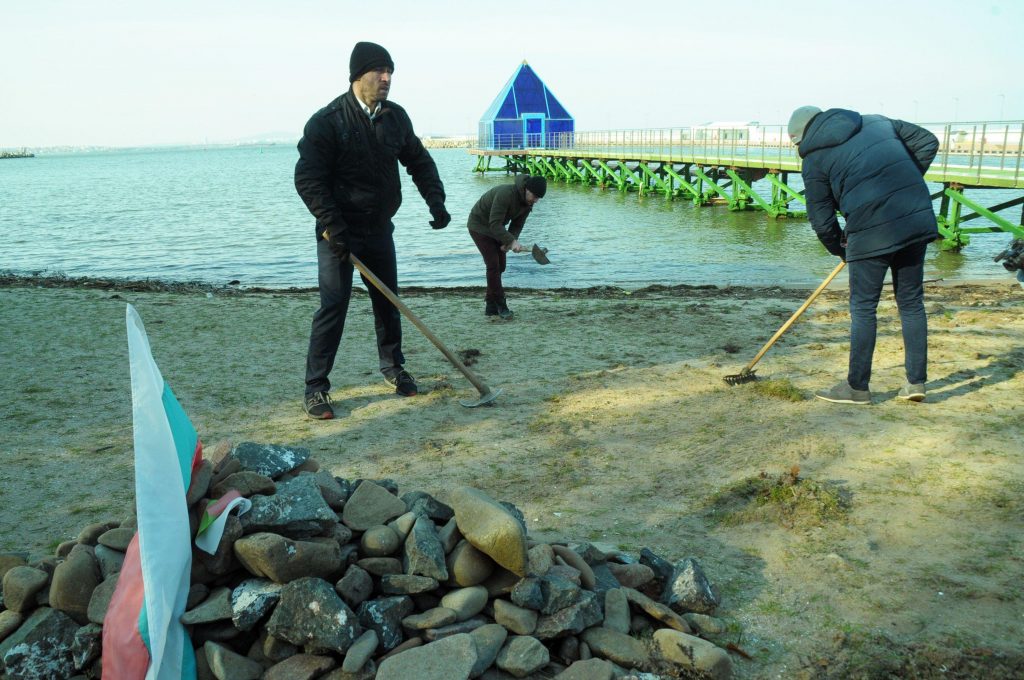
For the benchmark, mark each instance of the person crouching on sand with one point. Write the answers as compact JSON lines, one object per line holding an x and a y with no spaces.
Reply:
{"x":508,"y":204}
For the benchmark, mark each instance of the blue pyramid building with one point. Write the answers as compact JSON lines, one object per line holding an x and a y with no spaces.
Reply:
{"x":525,"y":114}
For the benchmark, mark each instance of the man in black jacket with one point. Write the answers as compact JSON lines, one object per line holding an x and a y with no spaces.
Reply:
{"x":871,"y":169}
{"x":347,"y":175}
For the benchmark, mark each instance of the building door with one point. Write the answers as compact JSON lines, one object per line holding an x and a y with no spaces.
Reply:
{"x":533,"y":130}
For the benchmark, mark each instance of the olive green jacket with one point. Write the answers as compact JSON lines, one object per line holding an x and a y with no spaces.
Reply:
{"x":505,"y":204}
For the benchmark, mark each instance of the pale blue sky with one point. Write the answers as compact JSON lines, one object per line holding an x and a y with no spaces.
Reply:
{"x":102,"y":72}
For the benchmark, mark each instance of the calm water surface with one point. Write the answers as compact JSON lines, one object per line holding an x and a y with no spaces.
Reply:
{"x":224,"y":214}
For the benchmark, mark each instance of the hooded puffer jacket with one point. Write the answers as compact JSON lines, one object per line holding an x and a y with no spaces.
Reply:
{"x":870,"y":168}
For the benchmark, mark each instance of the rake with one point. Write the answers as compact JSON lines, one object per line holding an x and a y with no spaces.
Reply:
{"x":748,"y":372}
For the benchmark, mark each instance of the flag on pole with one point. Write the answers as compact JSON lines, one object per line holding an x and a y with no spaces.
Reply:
{"x":142,"y":636}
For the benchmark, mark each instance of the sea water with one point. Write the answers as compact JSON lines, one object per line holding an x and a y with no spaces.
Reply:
{"x":223,"y":214}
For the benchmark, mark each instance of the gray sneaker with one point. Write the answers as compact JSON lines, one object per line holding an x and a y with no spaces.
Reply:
{"x":912,"y":392}
{"x":844,"y":394}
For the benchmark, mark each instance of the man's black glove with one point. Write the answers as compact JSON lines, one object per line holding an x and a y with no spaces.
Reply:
{"x":440,"y":215}
{"x":338,"y":246}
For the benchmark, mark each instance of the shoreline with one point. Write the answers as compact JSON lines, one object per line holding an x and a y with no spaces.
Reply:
{"x":14,"y":280}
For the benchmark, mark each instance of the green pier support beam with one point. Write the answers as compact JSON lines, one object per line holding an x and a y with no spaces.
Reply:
{"x":950,"y":218}
{"x":685,"y":188}
{"x":744,"y":194}
{"x":654,"y":178}
{"x":620,"y":182}
{"x":712,"y":185}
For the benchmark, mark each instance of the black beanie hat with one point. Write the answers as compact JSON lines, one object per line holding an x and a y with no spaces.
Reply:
{"x":537,"y":185}
{"x":367,"y":56}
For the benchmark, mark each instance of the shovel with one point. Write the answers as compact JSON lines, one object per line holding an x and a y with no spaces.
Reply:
{"x":487,"y":395}
{"x":747,"y":374}
{"x":539,"y":254}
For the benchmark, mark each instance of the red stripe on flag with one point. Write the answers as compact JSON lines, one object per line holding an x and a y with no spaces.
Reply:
{"x":125,"y":656}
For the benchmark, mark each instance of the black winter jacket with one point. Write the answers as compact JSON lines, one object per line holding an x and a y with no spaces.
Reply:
{"x":871,"y":169}
{"x":347,"y":172}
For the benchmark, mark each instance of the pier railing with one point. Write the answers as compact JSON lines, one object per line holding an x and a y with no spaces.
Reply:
{"x":984,"y":153}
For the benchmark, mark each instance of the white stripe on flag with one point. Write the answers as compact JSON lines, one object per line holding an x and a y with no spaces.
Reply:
{"x":164,"y":542}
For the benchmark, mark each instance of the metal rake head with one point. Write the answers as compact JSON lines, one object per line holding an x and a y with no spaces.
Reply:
{"x":743,"y":376}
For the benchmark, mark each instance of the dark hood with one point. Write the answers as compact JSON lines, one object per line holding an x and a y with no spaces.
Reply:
{"x":521,"y":186}
{"x":829,"y":128}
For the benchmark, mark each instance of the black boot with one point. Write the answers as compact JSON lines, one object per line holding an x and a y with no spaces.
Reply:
{"x":503,"y":311}
{"x":491,"y":308}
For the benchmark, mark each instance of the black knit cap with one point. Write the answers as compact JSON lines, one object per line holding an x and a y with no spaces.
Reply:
{"x":537,"y":185}
{"x":367,"y":56}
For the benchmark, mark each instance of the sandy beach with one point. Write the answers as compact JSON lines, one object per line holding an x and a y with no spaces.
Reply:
{"x":845,"y":541}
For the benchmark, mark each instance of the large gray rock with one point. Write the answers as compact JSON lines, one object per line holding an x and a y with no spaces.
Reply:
{"x":369,"y":505}
{"x":546,"y":594}
{"x":436,"y":617}
{"x":100,"y":600}
{"x":228,"y":665}
{"x":491,"y":528}
{"x":586,"y":612}
{"x":216,"y":607}
{"x":590,"y":669}
{"x":379,"y":541}
{"x":355,"y":586}
{"x":662,"y":569}
{"x":297,"y":510}
{"x":73,"y":581}
{"x":489,"y":641}
{"x":300,"y":667}
{"x":688,"y":589}
{"x":467,"y":566}
{"x":519,"y":620}
{"x":632,"y":575}
{"x":118,"y":538}
{"x":523,"y":655}
{"x":21,"y":584}
{"x":424,"y":555}
{"x":88,"y":645}
{"x":385,"y":616}
{"x":331,"y":489}
{"x":617,"y":647}
{"x":657,"y":610}
{"x":465,"y":602}
{"x":42,"y":648}
{"x":693,"y":652}
{"x":422,"y":503}
{"x":283,"y":560}
{"x":360,"y":652}
{"x":616,"y":611}
{"x":452,"y":658}
{"x":269,"y":460}
{"x":11,"y":620}
{"x":245,"y":482}
{"x":311,"y":615}
{"x":251,"y":600}
{"x":109,"y":560}
{"x":406,"y":584}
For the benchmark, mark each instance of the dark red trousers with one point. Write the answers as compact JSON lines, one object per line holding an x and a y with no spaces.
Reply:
{"x":494,"y":260}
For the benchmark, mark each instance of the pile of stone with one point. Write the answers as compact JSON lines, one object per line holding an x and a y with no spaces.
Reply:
{"x":346,"y":580}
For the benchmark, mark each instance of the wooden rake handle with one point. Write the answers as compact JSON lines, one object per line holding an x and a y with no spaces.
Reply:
{"x":483,"y":389}
{"x":796,"y":315}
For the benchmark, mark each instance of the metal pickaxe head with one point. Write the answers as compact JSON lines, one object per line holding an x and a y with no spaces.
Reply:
{"x":540,"y":254}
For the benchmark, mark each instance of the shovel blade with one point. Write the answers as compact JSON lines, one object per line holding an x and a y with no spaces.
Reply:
{"x":540,"y":254}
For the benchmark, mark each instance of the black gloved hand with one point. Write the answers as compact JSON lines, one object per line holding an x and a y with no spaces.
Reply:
{"x":440,"y":215}
{"x":338,"y":246}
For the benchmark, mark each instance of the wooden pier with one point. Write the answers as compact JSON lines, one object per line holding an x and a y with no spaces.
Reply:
{"x":720,"y":165}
